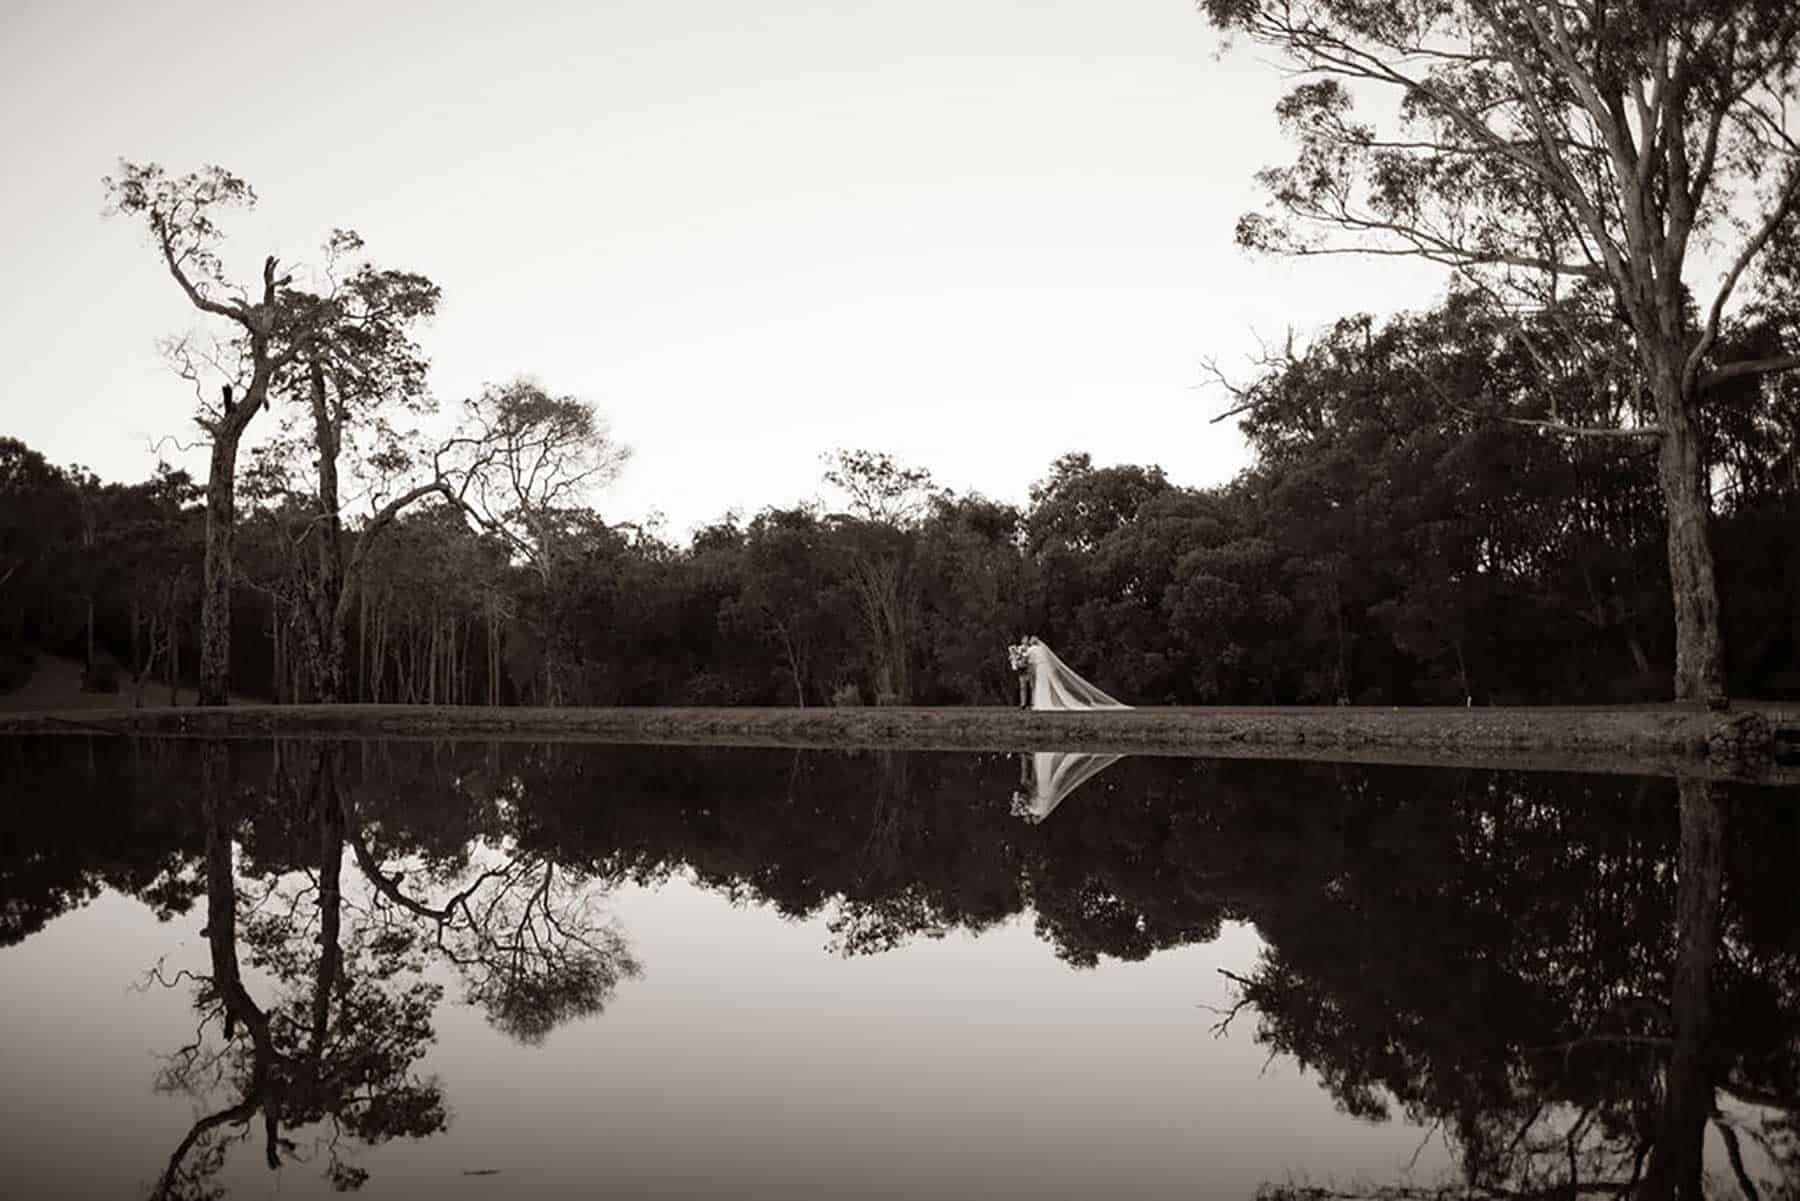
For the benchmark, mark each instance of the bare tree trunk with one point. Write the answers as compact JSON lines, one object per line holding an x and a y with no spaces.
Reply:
{"x":378,"y":657}
{"x":278,"y":670}
{"x":362,"y":644}
{"x":138,"y":663}
{"x":793,"y":659}
{"x":403,"y":691}
{"x":461,"y":644}
{"x":493,"y":649}
{"x":1699,"y":650}
{"x":887,"y":602}
{"x":322,"y":590}
{"x":215,"y":594}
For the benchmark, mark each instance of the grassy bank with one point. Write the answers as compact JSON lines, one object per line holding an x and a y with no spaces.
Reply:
{"x":1751,"y":741}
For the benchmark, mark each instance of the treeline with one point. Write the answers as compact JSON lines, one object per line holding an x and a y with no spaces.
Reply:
{"x":1385,"y":548}
{"x":1414,"y":530}
{"x":1465,"y":505}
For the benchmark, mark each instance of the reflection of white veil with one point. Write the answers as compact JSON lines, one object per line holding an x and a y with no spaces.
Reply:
{"x":1055,"y":686}
{"x":1053,"y":775}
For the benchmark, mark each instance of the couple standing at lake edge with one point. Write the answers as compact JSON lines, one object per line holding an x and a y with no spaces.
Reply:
{"x":1047,"y":683}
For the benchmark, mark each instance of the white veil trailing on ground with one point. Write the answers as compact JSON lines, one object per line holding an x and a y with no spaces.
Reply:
{"x":1055,"y":686}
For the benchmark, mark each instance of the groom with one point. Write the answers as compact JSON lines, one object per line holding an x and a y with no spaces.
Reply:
{"x":1018,"y":656}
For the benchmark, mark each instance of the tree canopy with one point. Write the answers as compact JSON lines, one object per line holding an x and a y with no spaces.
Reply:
{"x":1388,"y":545}
{"x":1575,"y":157}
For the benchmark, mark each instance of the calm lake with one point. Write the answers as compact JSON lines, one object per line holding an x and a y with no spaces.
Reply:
{"x":521,"y":971}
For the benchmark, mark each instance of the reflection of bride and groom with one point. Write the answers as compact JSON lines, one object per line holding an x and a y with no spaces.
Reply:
{"x":1046,"y":778}
{"x":1048,"y":684}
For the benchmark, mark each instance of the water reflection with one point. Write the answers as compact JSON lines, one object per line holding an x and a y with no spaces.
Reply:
{"x":1576,"y":1009}
{"x":1046,"y":778}
{"x":346,"y":1011}
{"x":334,"y":1041}
{"x":1588,"y":984}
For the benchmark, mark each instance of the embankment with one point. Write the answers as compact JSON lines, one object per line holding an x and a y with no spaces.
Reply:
{"x":1752,"y":741}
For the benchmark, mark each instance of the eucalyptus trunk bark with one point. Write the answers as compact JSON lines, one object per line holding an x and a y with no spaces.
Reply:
{"x":326,"y":612}
{"x":215,"y":599}
{"x":1681,"y":474}
{"x":887,"y":600}
{"x":493,"y":651}
{"x":221,"y":523}
{"x":275,"y":645}
{"x":793,"y":659}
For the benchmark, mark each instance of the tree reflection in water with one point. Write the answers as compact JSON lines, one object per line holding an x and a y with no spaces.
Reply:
{"x":334,"y":1048}
{"x":1521,"y":960}
{"x":1580,"y":1010}
{"x":1590,"y":985}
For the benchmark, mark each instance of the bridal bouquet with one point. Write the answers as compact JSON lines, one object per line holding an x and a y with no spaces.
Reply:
{"x":1018,"y":656}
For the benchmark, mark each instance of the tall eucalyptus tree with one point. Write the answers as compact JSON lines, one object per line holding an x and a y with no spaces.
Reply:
{"x":1544,"y":144}
{"x":277,"y":337}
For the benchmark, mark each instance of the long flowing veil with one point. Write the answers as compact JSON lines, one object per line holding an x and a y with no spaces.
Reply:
{"x":1051,"y":776}
{"x":1056,"y":686}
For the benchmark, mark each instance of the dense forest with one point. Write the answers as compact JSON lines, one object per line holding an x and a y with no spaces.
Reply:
{"x":1406,"y":534}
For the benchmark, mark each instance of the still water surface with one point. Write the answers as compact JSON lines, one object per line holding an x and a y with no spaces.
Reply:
{"x":475,"y":970}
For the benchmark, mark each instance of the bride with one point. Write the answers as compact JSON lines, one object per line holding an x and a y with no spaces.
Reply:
{"x":1055,"y":686}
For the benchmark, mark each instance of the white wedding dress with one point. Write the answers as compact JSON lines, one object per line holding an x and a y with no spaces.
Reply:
{"x":1055,"y":686}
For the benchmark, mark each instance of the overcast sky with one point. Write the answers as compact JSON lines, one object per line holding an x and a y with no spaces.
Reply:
{"x":975,"y":234}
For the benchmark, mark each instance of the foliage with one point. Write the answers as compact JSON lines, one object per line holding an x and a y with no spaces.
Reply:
{"x":1545,"y":151}
{"x":1419,"y":525}
{"x":1408,"y":533}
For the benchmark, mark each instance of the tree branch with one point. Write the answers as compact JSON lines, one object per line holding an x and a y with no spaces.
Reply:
{"x":1790,"y":193}
{"x":1563,"y":427}
{"x":199,"y":299}
{"x":1747,"y":368}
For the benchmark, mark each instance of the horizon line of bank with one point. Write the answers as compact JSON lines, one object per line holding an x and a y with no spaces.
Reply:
{"x":1755,"y":742}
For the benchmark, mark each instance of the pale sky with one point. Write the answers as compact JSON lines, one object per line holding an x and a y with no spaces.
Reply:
{"x":974,"y":234}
